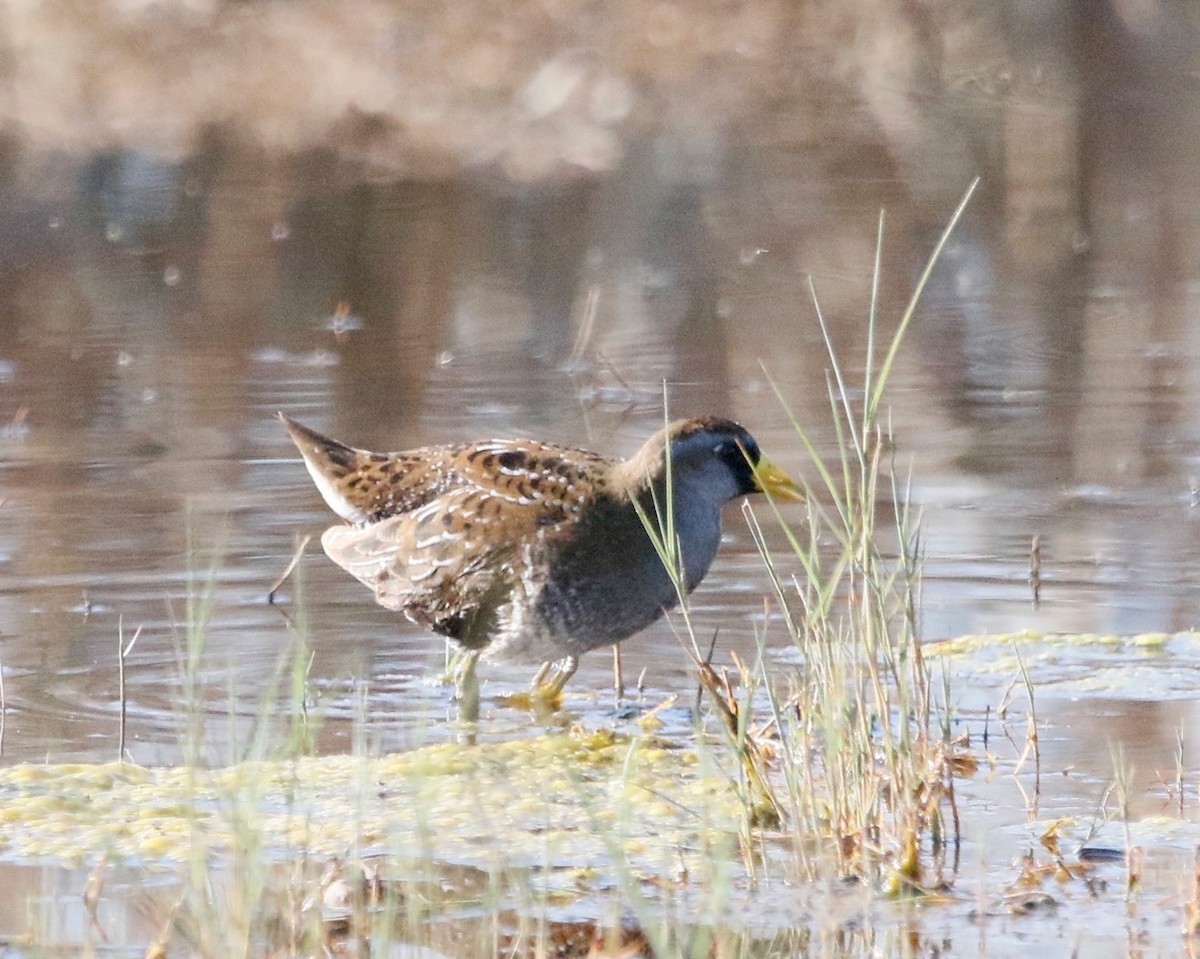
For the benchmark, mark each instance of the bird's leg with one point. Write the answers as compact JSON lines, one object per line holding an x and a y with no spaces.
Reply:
{"x":540,"y":676}
{"x":552,"y":677}
{"x":466,"y":684}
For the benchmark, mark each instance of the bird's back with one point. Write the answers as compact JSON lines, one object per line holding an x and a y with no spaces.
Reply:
{"x":456,"y":537}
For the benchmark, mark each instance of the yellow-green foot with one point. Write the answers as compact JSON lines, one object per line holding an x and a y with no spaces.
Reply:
{"x":552,"y":677}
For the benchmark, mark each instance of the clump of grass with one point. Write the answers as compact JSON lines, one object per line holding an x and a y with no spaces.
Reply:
{"x":868,"y":760}
{"x":232,"y":898}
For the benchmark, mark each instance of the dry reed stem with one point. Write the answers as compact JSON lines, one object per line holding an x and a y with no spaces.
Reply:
{"x":288,"y":569}
{"x":764,"y":810}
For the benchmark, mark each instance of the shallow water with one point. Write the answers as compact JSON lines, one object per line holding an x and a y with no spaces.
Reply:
{"x":163,"y":295}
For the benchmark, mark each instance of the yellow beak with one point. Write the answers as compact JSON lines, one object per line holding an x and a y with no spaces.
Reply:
{"x":775,"y":482}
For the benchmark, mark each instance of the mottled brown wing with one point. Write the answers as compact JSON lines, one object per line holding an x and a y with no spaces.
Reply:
{"x":391,"y":484}
{"x":434,"y":581}
{"x":454,"y":561}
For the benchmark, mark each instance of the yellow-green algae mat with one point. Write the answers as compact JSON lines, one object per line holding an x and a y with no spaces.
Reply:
{"x":565,"y":799}
{"x":1141,"y":666}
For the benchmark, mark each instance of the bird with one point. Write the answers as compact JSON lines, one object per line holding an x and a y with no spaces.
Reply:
{"x":528,"y":552}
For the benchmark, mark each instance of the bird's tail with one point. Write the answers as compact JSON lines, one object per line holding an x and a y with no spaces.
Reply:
{"x":334,"y":467}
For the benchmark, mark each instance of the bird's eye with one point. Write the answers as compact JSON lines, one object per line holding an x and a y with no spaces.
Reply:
{"x":730,"y":452}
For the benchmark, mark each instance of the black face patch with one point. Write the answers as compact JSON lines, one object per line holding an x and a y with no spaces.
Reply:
{"x":725,"y":441}
{"x":740,"y":453}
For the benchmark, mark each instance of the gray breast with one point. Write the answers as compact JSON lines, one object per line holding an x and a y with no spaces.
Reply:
{"x":609,"y":582}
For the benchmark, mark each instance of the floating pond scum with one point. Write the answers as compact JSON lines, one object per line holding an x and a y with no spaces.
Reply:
{"x":1144,"y":666}
{"x":575,"y":798}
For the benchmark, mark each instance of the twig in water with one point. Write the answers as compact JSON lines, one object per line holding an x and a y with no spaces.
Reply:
{"x":122,"y":652}
{"x":588,"y":324}
{"x":1133,"y":879}
{"x":91,"y":896}
{"x":290,"y":566}
{"x":1191,"y":928}
{"x":712,"y":648}
{"x":158,"y":948}
{"x":763,"y":807}
{"x":1035,"y":570}
{"x":1031,"y":738}
{"x":1179,"y":784}
{"x":618,"y":675}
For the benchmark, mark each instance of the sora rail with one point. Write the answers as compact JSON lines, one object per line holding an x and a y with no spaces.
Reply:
{"x":526,"y":552}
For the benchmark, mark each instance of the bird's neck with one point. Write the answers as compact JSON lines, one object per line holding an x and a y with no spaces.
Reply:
{"x":693,"y":520}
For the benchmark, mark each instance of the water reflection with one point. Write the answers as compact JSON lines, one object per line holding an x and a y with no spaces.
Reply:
{"x":434,"y":909}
